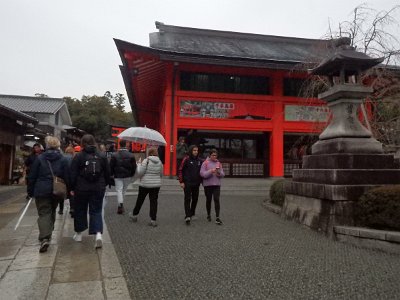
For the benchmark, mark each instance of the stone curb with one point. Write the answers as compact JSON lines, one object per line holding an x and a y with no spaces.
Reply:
{"x":388,"y":241}
{"x":272,"y":207}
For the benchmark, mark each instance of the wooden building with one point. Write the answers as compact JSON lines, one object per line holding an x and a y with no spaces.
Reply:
{"x":236,"y":92}
{"x":14,"y":125}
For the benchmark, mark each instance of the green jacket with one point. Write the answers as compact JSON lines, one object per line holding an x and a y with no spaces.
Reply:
{"x":181,"y":150}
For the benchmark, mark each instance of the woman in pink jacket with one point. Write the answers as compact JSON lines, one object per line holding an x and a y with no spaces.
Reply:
{"x":212,"y":172}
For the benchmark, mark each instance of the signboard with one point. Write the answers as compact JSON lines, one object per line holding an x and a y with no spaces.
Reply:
{"x":306,"y":113}
{"x":248,"y":110}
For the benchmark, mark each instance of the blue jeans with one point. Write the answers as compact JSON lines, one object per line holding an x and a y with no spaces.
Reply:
{"x":93,"y":201}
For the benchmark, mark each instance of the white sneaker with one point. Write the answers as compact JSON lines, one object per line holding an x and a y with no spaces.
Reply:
{"x":153,"y":223}
{"x":132,"y":218}
{"x":99,"y":242}
{"x":77,"y":237}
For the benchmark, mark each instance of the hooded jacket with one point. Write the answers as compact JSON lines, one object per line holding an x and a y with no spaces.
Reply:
{"x":189,"y":170}
{"x":79,"y":182}
{"x":40,"y":179}
{"x":150,"y":172}
{"x":209,"y":178}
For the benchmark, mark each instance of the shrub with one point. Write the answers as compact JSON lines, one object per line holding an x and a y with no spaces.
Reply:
{"x":277,"y":192}
{"x":379,"y":208}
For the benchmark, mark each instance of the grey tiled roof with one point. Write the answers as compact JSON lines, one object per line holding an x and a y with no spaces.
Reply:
{"x":237,"y":45}
{"x":11,"y":111}
{"x":32,"y":104}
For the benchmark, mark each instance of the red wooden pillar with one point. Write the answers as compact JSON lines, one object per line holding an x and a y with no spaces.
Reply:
{"x":276,"y":141}
{"x":276,"y":138}
{"x":168,"y":119}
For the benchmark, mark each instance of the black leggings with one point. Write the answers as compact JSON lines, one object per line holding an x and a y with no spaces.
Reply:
{"x":211,"y":192}
{"x":153,"y":195}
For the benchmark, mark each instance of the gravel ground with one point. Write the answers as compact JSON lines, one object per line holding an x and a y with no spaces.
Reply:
{"x":254,"y":255}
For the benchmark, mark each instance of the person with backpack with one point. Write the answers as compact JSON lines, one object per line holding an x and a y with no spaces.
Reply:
{"x":212,"y":172}
{"x":150,"y":172}
{"x":90,"y":174}
{"x":190,"y":180}
{"x":123,"y":167}
{"x":41,"y":187}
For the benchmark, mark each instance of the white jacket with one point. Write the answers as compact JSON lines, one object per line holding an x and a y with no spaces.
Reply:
{"x":150,"y":172}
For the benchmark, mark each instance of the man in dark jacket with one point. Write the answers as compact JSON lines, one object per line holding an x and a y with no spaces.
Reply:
{"x":123,"y":167}
{"x":189,"y":179}
{"x":36,"y":151}
{"x":40,"y":186}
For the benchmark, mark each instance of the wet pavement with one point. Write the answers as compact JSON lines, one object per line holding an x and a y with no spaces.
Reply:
{"x":68,"y":270}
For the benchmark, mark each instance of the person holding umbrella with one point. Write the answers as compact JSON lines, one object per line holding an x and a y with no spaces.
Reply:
{"x":150,"y":172}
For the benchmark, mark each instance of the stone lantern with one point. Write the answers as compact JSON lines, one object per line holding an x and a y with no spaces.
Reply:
{"x":345,"y":133}
{"x":346,"y":161}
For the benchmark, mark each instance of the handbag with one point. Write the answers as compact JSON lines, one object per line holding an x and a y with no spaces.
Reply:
{"x":59,"y":187}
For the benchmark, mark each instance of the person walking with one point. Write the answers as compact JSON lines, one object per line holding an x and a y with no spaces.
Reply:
{"x":181,"y":151}
{"x":90,"y":174}
{"x":150,"y":172}
{"x":40,"y":185}
{"x":36,"y":151}
{"x":212,"y":172}
{"x":190,"y":180}
{"x":69,"y":154}
{"x":123,"y":167}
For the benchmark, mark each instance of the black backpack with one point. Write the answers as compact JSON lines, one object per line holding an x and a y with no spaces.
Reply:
{"x":92,"y":168}
{"x":125,"y":162}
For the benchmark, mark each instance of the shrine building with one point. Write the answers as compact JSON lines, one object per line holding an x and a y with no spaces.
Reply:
{"x":236,"y":92}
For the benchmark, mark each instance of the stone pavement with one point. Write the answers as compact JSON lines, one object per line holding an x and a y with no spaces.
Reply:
{"x":68,"y":270}
{"x":255,"y":255}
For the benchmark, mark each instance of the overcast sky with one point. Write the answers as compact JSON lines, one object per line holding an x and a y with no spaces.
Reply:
{"x":66,"y":48}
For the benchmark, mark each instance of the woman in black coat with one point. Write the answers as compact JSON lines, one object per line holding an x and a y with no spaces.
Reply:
{"x":40,"y":185}
{"x":90,"y":174}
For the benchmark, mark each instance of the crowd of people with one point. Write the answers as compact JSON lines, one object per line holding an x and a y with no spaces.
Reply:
{"x":85,"y":172}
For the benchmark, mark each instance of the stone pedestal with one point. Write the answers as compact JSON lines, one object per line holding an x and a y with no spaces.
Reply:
{"x":347,"y":160}
{"x":321,"y":195}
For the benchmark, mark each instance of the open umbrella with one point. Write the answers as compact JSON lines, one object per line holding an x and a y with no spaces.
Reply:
{"x":143,"y":135}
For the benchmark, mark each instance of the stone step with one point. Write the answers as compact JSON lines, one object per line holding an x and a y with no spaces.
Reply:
{"x":349,"y":161}
{"x":347,"y":177}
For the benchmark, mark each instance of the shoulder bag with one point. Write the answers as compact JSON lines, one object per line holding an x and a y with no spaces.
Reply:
{"x":59,"y":187}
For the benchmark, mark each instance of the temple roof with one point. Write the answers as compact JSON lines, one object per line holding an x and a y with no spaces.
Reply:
{"x":185,"y":40}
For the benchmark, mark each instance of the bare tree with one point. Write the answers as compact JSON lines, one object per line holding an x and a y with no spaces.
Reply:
{"x":374,"y":33}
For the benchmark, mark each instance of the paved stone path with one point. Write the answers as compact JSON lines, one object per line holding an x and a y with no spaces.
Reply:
{"x":254,"y":255}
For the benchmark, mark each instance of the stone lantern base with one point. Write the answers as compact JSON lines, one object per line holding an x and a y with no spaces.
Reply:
{"x":322,"y":193}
